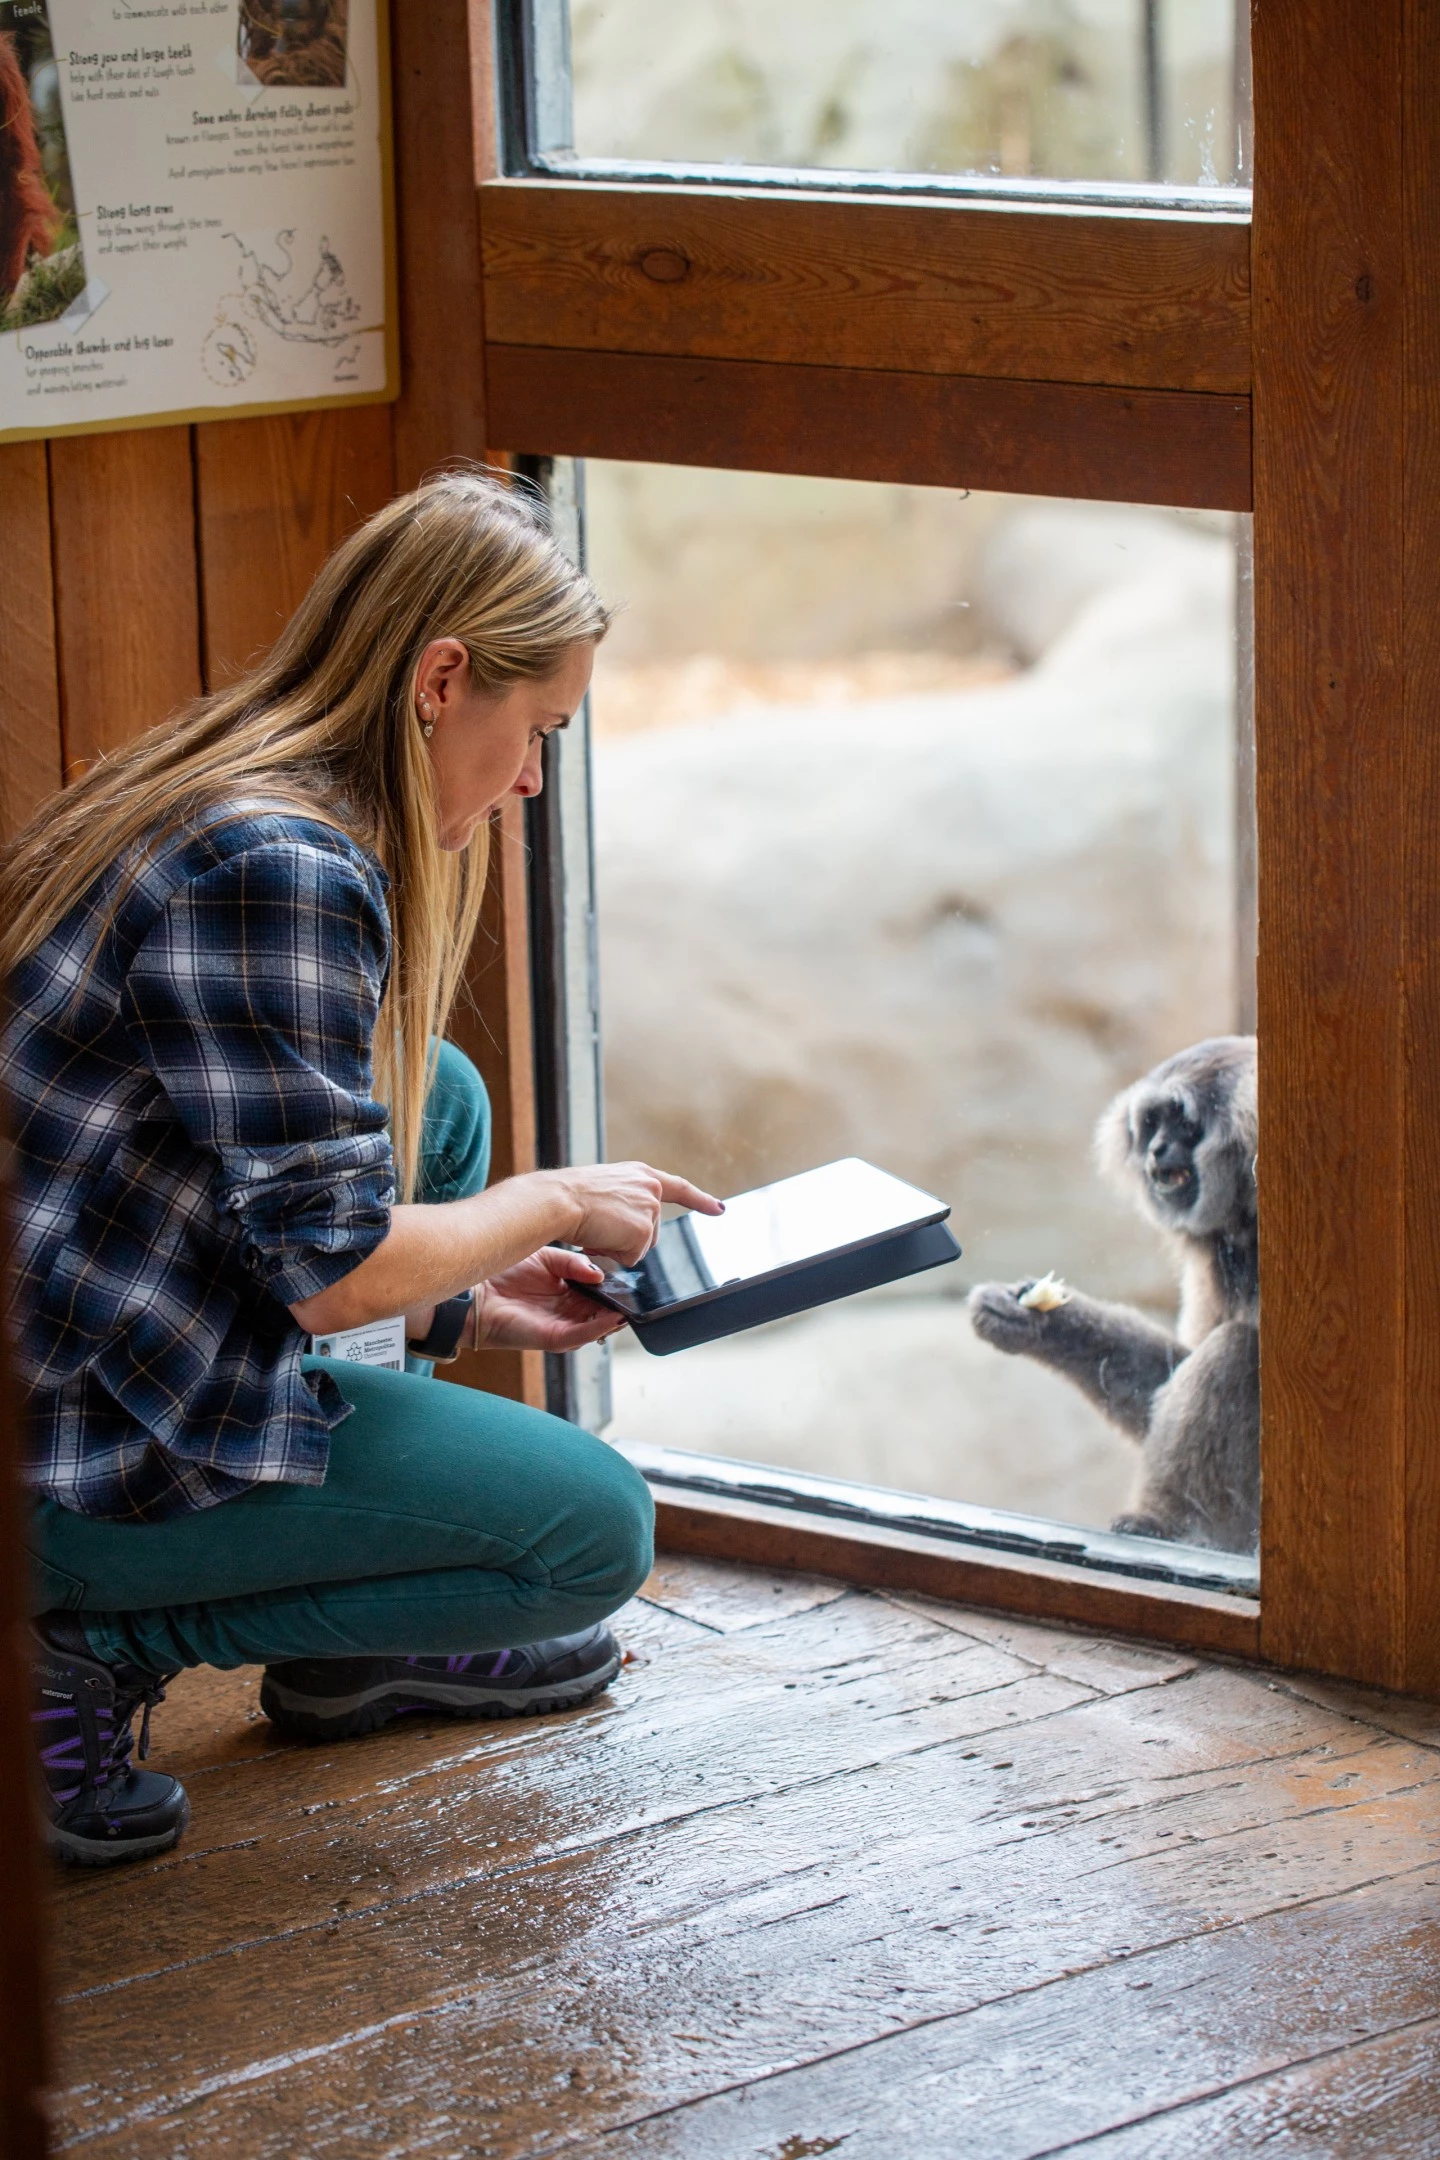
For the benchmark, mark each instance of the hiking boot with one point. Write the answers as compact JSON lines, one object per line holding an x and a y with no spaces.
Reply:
{"x":99,"y":1809}
{"x":336,"y":1698}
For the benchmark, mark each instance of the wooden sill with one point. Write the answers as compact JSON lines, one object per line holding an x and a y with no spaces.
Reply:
{"x":1184,"y":449}
{"x":724,"y":1526}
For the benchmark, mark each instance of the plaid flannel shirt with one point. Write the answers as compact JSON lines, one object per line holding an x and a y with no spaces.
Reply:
{"x":197,"y":1148}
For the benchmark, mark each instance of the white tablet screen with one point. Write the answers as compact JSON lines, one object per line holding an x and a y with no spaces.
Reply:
{"x":836,"y":1208}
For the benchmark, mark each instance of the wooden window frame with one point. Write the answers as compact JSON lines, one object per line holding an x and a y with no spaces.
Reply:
{"x":1143,"y":351}
{"x":953,"y":337}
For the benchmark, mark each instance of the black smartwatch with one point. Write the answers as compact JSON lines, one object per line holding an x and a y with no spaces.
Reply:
{"x":443,"y":1341}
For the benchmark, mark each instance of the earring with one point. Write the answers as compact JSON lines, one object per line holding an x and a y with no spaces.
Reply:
{"x":427,"y":722}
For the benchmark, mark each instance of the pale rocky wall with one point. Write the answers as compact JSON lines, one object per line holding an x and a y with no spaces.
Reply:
{"x":942,"y":931}
{"x":774,"y":567}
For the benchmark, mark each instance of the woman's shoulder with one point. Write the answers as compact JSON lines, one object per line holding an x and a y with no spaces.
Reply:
{"x":270,"y":862}
{"x":279,"y":830}
{"x":247,"y":851}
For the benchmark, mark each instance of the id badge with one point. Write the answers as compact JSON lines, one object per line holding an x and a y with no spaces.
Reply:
{"x":381,"y":1343}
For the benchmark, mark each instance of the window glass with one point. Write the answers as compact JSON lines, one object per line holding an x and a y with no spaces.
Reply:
{"x":918,"y":838}
{"x":1071,"y":90}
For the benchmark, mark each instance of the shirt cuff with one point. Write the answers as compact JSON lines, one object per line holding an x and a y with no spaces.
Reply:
{"x":309,"y":1214}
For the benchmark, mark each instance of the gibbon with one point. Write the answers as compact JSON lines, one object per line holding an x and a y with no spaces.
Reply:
{"x":1181,"y":1142}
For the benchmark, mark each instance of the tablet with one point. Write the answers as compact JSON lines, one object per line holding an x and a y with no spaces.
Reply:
{"x":778,"y":1250}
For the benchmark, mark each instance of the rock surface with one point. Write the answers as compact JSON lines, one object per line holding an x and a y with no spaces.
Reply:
{"x":885,"y":1391}
{"x":941,"y":931}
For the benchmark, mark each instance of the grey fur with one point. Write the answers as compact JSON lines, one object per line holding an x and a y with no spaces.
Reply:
{"x":1181,"y":1142}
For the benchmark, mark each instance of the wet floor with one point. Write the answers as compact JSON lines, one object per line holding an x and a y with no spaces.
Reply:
{"x":825,"y":1872}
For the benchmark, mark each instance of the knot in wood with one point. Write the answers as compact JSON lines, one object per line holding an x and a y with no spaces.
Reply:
{"x":663,"y":265}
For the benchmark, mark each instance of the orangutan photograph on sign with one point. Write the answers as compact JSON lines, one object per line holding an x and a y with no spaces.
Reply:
{"x":41,"y":267}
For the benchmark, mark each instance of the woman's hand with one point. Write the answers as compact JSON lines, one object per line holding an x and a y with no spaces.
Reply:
{"x":533,"y":1307}
{"x":436,"y":1250}
{"x":617,"y":1206}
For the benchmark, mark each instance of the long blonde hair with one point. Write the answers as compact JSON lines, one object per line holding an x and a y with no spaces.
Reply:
{"x":326,"y":723}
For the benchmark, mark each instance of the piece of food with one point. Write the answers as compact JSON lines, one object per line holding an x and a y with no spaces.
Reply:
{"x":1045,"y":1295}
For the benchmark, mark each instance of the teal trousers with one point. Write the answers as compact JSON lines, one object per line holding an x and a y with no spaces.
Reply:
{"x":449,"y":1521}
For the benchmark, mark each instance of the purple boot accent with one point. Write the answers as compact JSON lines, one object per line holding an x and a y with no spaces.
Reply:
{"x":338,"y":1698}
{"x":99,"y":1808}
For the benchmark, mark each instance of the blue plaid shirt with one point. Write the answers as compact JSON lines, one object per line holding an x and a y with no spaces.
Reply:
{"x":197,"y":1148}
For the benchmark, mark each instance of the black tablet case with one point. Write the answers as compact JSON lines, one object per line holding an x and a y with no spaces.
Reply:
{"x":819,"y":1282}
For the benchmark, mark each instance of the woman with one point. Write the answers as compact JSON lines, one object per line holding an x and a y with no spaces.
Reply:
{"x":230,"y":951}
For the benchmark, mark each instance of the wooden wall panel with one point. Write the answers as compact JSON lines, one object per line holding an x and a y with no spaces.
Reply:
{"x":1158,"y":303}
{"x":1420,"y":797}
{"x":23,"y":2068}
{"x":273,"y":497}
{"x":1188,"y":449}
{"x":126,"y":603}
{"x":24,"y":1867}
{"x":31,"y":759}
{"x":1347,"y":340}
{"x":444,"y":139}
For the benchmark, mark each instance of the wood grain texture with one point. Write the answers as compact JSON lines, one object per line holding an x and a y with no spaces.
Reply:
{"x":273,"y":497}
{"x":1347,"y":803}
{"x":1189,"y":450}
{"x":444,"y":142}
{"x":23,"y":2056}
{"x":1420,"y":795}
{"x":891,"y":2097}
{"x":126,"y":590}
{"x":31,"y":759}
{"x":821,"y":1873}
{"x":757,"y":1536}
{"x":1083,"y":296}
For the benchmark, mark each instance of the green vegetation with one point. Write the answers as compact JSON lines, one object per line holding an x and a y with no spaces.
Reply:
{"x":46,"y":289}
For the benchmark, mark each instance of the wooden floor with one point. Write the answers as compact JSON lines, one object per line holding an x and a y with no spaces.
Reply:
{"x":826,"y":1872}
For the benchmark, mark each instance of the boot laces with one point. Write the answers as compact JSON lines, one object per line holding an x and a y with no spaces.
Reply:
{"x":116,"y":1751}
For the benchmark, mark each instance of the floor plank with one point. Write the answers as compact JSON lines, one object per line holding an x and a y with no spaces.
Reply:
{"x":825,"y":1870}
{"x":1142,"y":2045}
{"x":730,"y":1598}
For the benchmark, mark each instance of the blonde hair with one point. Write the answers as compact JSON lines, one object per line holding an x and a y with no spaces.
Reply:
{"x":326,"y":723}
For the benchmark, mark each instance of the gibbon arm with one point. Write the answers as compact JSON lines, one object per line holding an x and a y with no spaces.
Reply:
{"x":1112,"y":1353}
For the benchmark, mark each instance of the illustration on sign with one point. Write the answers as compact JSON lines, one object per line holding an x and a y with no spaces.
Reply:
{"x":192,"y":209}
{"x":321,"y":312}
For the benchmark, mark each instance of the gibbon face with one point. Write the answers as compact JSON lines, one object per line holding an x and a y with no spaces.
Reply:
{"x":1182,"y":1140}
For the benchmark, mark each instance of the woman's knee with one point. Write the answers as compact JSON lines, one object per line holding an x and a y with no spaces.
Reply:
{"x":613,"y":1524}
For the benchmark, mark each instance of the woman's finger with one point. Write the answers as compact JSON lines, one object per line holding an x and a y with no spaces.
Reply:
{"x":570,"y":1266}
{"x":682,"y":1193}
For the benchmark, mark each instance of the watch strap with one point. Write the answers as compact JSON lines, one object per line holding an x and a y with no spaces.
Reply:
{"x":446,"y":1328}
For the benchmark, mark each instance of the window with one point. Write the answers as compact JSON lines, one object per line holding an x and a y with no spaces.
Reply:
{"x":1034,"y":92}
{"x":962,"y":857}
{"x":1092,"y":340}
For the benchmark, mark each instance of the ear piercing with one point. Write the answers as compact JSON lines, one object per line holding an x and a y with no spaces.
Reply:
{"x":427,"y":718}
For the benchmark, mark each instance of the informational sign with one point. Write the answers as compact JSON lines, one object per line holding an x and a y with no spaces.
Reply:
{"x":194,"y":210}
